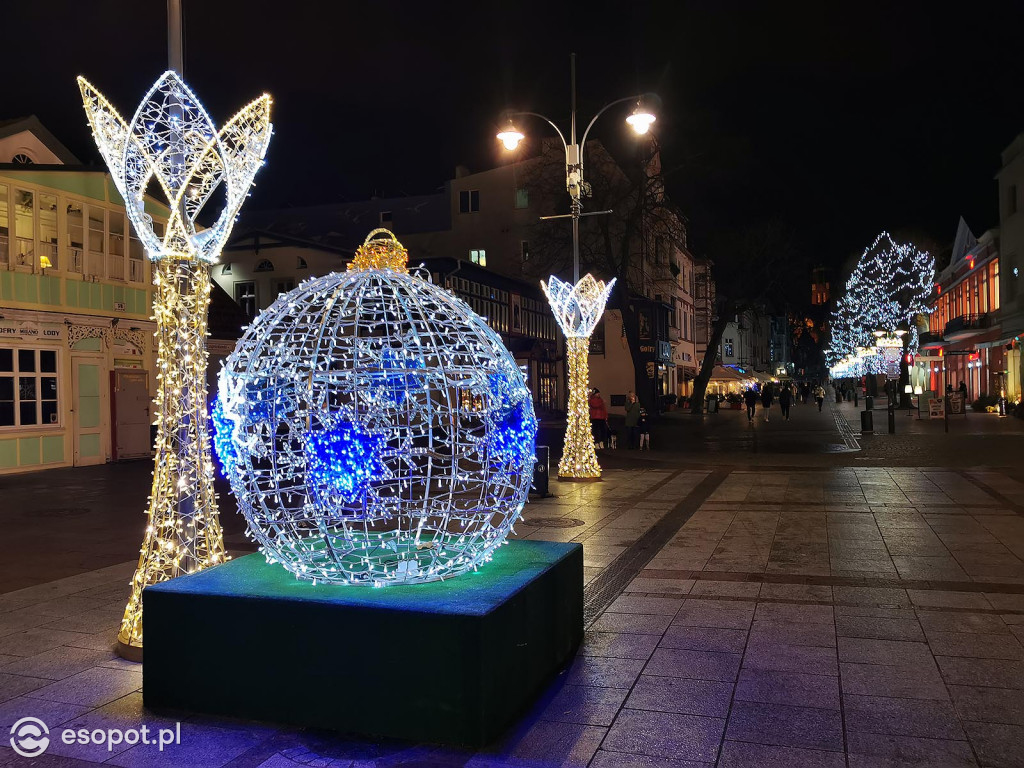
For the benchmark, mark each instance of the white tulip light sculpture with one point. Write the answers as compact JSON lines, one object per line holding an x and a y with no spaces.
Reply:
{"x":577,"y":308}
{"x":172,"y":143}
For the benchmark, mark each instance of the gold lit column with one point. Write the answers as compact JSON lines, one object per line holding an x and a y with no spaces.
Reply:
{"x":577,"y":308}
{"x":172,"y":144}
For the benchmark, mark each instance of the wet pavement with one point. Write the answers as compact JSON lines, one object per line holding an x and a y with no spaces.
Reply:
{"x":775,"y":594}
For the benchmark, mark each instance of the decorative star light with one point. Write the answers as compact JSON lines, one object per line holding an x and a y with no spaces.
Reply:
{"x":172,"y":140}
{"x":577,"y":308}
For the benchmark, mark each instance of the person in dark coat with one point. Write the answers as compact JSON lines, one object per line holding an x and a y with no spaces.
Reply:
{"x":750,"y":398}
{"x":767,"y":398}
{"x":785,"y":399}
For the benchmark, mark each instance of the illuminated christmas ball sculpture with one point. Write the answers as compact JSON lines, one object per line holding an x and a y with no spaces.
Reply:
{"x":374,"y":429}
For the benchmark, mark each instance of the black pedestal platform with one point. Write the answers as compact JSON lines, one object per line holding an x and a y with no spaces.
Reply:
{"x":446,"y":662}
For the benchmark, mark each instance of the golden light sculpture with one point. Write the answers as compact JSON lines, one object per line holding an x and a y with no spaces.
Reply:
{"x":577,"y":308}
{"x":172,"y":142}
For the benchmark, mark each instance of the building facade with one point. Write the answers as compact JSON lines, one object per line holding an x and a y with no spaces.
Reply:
{"x":1010,"y":317}
{"x":964,"y":340}
{"x":76,"y":339}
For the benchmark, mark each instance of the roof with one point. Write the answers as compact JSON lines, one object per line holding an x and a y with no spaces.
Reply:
{"x":37,"y":129}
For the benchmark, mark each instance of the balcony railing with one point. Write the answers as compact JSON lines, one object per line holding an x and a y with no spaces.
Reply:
{"x":965,"y":325}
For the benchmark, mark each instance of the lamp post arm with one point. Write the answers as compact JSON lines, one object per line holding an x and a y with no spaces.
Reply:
{"x":600,"y":112}
{"x":565,"y":146}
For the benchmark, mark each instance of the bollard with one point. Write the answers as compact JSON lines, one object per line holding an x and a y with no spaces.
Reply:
{"x":856,"y":398}
{"x":541,"y":471}
{"x":869,"y":403}
{"x":867,"y":422}
{"x":892,"y":418}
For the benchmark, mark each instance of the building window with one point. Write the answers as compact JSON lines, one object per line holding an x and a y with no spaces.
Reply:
{"x":522,"y":197}
{"x":226,"y":268}
{"x":283,"y":286}
{"x":28,"y":387}
{"x":384,"y":218}
{"x":22,"y":159}
{"x":727,"y":344}
{"x":75,"y":224}
{"x":266,"y":265}
{"x":48,"y":232}
{"x":301,"y":263}
{"x":5,"y":241}
{"x":24,"y":227}
{"x":136,"y":257}
{"x":94,"y":254}
{"x":524,"y":249}
{"x":245,"y":297}
{"x":115,"y":257}
{"x":469,"y":201}
{"x":478,"y":257}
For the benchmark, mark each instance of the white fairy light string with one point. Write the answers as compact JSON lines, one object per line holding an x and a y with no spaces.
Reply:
{"x":577,"y":308}
{"x":374,"y":429}
{"x":172,"y":142}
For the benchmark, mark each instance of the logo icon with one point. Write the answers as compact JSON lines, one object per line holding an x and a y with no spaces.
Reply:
{"x":30,"y":737}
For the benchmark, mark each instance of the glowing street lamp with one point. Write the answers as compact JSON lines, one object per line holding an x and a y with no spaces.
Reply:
{"x":579,"y":461}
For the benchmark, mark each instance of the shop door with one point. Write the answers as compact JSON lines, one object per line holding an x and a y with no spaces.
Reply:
{"x":131,"y":415}
{"x":87,"y":412}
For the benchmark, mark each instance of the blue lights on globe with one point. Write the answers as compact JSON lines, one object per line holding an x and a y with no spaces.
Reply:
{"x":341,"y":462}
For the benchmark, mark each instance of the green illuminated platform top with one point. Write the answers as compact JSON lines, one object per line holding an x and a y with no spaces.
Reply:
{"x":477,"y":593}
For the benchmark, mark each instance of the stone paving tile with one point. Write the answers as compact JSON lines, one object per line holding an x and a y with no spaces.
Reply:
{"x":697,"y":665}
{"x":583,"y":704}
{"x":934,"y":622}
{"x":604,"y":671}
{"x":791,"y":658}
{"x":873,"y":750}
{"x":996,"y":673}
{"x":935,"y":719}
{"x":618,"y":645}
{"x":58,"y":663}
{"x":989,"y":705}
{"x":665,"y":586}
{"x":666,"y":734}
{"x":661,"y":606}
{"x":796,"y":592}
{"x":738,"y":754}
{"x":604,"y":759}
{"x":714,"y":639}
{"x":997,"y":744}
{"x":693,"y":614}
{"x":94,"y":687}
{"x":683,"y":696}
{"x":786,"y":726}
{"x":894,"y":681}
{"x":877,"y":596}
{"x":975,"y":645}
{"x":880,"y":628}
{"x":792,"y":633}
{"x":637,"y":624}
{"x":208,"y":746}
{"x":795,"y":688}
{"x":794,"y":612}
{"x":875,"y":651}
{"x":728,"y":588}
{"x":943,"y":599}
{"x":13,"y":686}
{"x":53,"y":713}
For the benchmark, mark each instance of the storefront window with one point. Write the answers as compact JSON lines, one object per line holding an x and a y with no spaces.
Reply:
{"x":28,"y":387}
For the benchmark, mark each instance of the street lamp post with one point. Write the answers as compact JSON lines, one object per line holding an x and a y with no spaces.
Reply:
{"x":577,"y":307}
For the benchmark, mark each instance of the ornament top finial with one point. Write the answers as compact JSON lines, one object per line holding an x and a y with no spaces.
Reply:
{"x":381,"y":250}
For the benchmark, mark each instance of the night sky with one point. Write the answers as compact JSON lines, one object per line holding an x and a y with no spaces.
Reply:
{"x":837,"y":119}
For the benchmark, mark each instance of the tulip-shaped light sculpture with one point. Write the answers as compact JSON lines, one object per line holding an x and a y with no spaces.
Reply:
{"x":171,"y":144}
{"x":577,"y":308}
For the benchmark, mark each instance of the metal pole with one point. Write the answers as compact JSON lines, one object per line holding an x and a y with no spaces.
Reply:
{"x":175,"y":50}
{"x":574,"y":191}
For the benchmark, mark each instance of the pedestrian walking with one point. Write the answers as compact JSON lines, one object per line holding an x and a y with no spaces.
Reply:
{"x":750,"y":398}
{"x":767,"y":398}
{"x":645,"y":431}
{"x":598,"y":417}
{"x":819,"y":396}
{"x":632,"y":417}
{"x":785,"y":399}
{"x":805,"y":390}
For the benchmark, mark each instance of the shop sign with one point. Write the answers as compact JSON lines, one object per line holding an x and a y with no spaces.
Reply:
{"x":936,"y":408}
{"x":13,"y":329}
{"x":956,"y":403}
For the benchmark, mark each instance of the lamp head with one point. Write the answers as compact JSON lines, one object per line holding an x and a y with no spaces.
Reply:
{"x":641,"y":119}
{"x":510,"y":136}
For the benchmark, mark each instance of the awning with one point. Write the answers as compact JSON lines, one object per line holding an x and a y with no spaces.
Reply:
{"x":722,"y":373}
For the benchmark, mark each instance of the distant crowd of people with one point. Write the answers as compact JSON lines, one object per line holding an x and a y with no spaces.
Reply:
{"x":786,"y":393}
{"x":639,"y":433}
